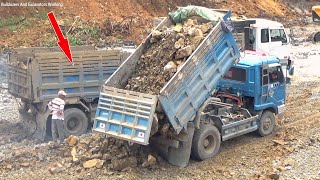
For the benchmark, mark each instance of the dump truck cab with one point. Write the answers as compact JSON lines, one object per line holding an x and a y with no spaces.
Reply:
{"x":256,"y":83}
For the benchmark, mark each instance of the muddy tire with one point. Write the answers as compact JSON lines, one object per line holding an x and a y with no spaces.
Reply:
{"x":75,"y":122}
{"x":317,"y":37}
{"x":267,"y":123}
{"x":206,"y":142}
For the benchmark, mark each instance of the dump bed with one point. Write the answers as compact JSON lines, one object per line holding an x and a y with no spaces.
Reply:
{"x":37,"y":74}
{"x":119,"y":111}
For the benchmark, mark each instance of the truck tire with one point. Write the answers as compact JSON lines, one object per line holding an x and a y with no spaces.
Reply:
{"x":206,"y":142}
{"x":317,"y":37}
{"x":267,"y":123}
{"x":75,"y":122}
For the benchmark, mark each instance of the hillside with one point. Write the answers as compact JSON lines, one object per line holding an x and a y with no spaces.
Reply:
{"x":106,"y":22}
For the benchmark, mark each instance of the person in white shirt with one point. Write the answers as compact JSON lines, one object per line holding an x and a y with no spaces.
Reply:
{"x":56,"y":106}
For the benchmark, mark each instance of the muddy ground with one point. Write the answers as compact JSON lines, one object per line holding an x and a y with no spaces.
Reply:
{"x":291,"y":152}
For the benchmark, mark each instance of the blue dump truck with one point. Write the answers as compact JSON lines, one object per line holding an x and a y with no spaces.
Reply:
{"x":35,"y":75}
{"x":215,"y":96}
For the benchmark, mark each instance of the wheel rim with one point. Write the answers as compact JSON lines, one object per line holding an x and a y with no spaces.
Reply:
{"x":267,"y":123}
{"x":73,"y":124}
{"x":209,"y":144}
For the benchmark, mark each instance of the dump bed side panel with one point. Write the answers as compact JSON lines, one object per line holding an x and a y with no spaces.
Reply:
{"x":52,"y":72}
{"x":192,"y":85}
{"x":20,"y":72}
{"x":125,"y":114}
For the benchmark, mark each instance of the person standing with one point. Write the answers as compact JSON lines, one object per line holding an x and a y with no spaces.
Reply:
{"x":56,"y":106}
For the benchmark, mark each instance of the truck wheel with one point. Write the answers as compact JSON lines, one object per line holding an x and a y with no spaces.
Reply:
{"x":75,"y":121}
{"x":206,"y":142}
{"x":317,"y":37}
{"x":267,"y":123}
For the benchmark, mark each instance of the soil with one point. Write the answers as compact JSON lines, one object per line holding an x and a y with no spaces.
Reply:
{"x":111,"y":17}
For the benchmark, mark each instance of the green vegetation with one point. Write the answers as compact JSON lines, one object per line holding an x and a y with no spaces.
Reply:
{"x":74,"y":41}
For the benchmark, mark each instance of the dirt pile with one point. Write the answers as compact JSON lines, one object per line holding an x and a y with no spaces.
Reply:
{"x":93,"y":151}
{"x":170,"y":48}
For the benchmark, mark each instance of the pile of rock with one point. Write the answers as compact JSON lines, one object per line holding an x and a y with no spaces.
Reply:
{"x":169,"y":49}
{"x":98,"y":151}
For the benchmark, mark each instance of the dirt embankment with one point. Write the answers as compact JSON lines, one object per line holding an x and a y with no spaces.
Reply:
{"x":105,"y":21}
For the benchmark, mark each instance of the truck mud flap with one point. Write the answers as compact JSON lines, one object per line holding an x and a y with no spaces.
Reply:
{"x":34,"y":125}
{"x":125,"y":114}
{"x":176,"y":151}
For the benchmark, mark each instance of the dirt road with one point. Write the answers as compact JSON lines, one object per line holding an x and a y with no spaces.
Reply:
{"x":291,"y":152}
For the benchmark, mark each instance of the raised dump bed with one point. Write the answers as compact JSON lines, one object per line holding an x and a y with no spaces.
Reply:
{"x":129,"y":115}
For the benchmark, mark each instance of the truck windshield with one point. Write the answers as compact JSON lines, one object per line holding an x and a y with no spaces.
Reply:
{"x":236,"y":74}
{"x":278,"y":35}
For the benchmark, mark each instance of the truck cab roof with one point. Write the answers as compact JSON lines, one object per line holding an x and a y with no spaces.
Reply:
{"x":257,"y":60}
{"x":262,"y":23}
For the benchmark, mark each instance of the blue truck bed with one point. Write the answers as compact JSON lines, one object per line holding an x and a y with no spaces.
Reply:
{"x":180,"y":98}
{"x":37,"y":74}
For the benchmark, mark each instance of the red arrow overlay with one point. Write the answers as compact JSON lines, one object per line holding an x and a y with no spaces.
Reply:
{"x":63,"y":42}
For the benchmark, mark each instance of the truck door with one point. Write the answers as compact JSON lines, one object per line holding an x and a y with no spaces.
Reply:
{"x":279,"y":44}
{"x":263,"y":40}
{"x":275,"y":85}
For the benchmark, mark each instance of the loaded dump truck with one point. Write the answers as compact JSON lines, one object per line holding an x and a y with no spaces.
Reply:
{"x":35,"y":75}
{"x":213,"y":97}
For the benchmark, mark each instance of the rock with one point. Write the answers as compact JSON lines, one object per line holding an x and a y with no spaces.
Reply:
{"x":107,"y":157}
{"x":196,"y":40}
{"x":74,"y":154}
{"x":191,"y":31}
{"x":92,"y":163}
{"x":96,"y":156}
{"x":205,"y":27}
{"x":179,"y":67}
{"x":191,"y":22}
{"x":72,"y":140}
{"x":99,"y":164}
{"x":9,"y":166}
{"x":120,"y":164}
{"x":289,"y":162}
{"x":198,"y":32}
{"x":53,"y":144}
{"x":40,"y":157}
{"x":156,"y":34}
{"x":179,"y":44}
{"x":150,"y":161}
{"x":59,"y":165}
{"x":55,"y":170}
{"x":170,"y":65}
{"x":274,"y":176}
{"x":105,"y":145}
{"x":184,"y":52}
{"x":25,"y":164}
{"x":279,"y":142}
{"x":177,"y":28}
